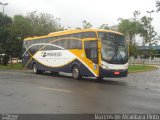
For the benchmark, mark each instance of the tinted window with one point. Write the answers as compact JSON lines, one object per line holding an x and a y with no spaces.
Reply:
{"x":51,"y":39}
{"x":82,"y":35}
{"x":70,"y":35}
{"x":62,"y":43}
{"x":26,"y":44}
{"x":49,"y":47}
{"x":88,"y":35}
{"x":114,"y":49}
{"x":91,"y":44}
{"x":77,"y":35}
{"x":33,"y":48}
{"x":56,"y":37}
{"x":75,"y":44}
{"x":91,"y":50}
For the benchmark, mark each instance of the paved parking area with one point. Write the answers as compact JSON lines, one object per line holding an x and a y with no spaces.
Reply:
{"x":25,"y":92}
{"x":145,"y":80}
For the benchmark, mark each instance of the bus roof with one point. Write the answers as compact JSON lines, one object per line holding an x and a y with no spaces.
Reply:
{"x":65,"y":32}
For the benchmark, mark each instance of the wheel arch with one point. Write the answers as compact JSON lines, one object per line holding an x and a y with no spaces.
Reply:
{"x":74,"y":64}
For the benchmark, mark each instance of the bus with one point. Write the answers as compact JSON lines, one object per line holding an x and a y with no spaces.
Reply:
{"x":87,"y":52}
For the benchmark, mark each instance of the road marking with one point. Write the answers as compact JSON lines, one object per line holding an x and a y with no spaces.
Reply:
{"x":59,"y":90}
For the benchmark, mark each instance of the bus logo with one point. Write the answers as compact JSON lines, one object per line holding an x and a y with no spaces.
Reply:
{"x":55,"y":54}
{"x":43,"y":54}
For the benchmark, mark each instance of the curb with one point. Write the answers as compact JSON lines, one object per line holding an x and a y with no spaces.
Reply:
{"x":138,"y":71}
{"x":13,"y":69}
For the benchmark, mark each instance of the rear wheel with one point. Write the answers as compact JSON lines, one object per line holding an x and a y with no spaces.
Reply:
{"x":35,"y":69}
{"x":76,"y":73}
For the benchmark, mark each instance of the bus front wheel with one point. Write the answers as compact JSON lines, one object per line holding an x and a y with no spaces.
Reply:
{"x":76,"y":73}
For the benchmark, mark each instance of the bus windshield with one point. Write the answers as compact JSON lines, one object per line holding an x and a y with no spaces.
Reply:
{"x":114,"y":49}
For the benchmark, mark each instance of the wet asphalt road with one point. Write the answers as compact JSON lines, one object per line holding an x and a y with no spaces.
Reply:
{"x":25,"y":92}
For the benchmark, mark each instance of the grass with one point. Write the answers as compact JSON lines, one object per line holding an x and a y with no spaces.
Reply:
{"x":140,"y":68}
{"x":17,"y":66}
{"x":131,"y":69}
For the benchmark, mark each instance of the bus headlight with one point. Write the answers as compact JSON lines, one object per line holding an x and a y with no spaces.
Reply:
{"x":126,"y":67}
{"x":105,"y":67}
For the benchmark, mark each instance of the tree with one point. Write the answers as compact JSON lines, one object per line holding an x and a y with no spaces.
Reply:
{"x":148,"y":33}
{"x":136,"y":14}
{"x":86,"y":24}
{"x":13,"y":31}
{"x":43,"y":23}
{"x":104,"y":26}
{"x":158,"y":5}
{"x":5,"y":38}
{"x":21,"y":26}
{"x":130,"y":28}
{"x":114,"y":27}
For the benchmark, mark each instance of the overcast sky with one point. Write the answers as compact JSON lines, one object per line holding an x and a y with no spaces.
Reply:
{"x":73,"y":12}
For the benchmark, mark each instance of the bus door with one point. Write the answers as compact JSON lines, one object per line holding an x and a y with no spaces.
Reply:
{"x":91,"y":52}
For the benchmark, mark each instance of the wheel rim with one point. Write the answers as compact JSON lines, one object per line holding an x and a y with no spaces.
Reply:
{"x":34,"y":69}
{"x":75,"y":73}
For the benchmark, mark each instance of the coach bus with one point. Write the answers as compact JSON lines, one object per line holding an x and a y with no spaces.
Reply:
{"x":88,"y":52}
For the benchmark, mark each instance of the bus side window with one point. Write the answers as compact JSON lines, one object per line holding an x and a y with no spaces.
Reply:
{"x":88,"y":34}
{"x":33,"y":46}
{"x":46,"y":47}
{"x":58,"y":43}
{"x":37,"y":47}
{"x":29,"y":43}
{"x":51,"y":39}
{"x":25,"y":44}
{"x":57,"y":37}
{"x":62,"y":43}
{"x":77,"y":35}
{"x":69,"y":35}
{"x":91,"y":50}
{"x":66,"y":44}
{"x":75,"y":44}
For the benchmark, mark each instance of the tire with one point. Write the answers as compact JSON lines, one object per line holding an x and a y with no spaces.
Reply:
{"x":35,"y":69}
{"x":54,"y":73}
{"x":76,"y":73}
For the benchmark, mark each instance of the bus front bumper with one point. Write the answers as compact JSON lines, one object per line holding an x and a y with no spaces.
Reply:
{"x":113,"y":73}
